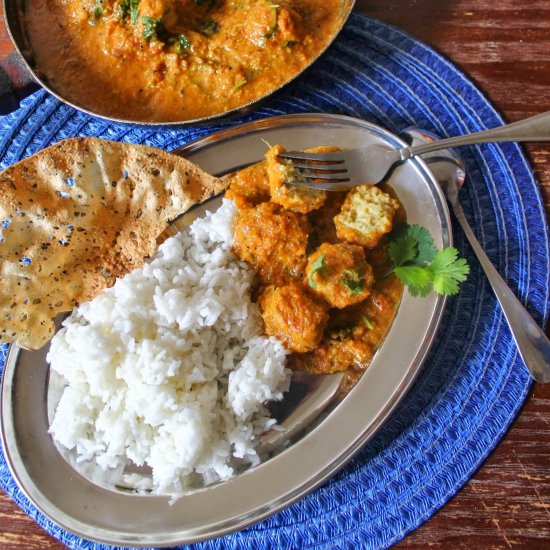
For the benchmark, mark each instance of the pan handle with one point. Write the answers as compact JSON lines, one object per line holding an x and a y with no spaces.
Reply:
{"x":16,"y":83}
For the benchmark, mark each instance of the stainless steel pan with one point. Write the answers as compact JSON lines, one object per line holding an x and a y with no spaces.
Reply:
{"x":20,"y":74}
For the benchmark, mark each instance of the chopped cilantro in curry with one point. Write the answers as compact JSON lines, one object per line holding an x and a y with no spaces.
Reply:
{"x":147,"y":51}
{"x":182,"y":43}
{"x":239,"y":85}
{"x":153,"y":29}
{"x":274,"y":20}
{"x":317,"y":265}
{"x":129,"y":9}
{"x":97,"y":12}
{"x":367,"y":322}
{"x":353,"y":281}
{"x":208,"y":27}
{"x":326,"y":296}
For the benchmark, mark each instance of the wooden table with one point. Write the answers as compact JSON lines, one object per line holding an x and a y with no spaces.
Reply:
{"x":504,"y":46}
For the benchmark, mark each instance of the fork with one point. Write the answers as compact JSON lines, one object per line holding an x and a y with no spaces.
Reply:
{"x":345,"y":169}
{"x":533,"y":345}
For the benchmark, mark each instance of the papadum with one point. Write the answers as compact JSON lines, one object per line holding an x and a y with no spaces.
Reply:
{"x":76,"y":216}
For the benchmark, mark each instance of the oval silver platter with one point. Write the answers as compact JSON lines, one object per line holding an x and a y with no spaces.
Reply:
{"x":328,"y":431}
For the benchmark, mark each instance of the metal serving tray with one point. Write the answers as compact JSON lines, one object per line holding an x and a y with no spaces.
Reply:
{"x":324,"y":438}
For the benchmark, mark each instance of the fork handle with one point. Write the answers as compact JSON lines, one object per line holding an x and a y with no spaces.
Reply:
{"x":536,"y":128}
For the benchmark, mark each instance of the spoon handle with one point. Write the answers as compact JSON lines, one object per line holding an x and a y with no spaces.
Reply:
{"x":532,"y":343}
{"x":536,"y":128}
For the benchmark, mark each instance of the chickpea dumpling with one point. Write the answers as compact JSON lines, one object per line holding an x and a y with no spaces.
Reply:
{"x":298,"y":199}
{"x":339,"y":274}
{"x":293,"y":316}
{"x":273,"y":241}
{"x":366,"y":216}
{"x":249,"y":187}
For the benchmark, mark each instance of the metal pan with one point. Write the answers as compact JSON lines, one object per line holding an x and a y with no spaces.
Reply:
{"x":20,"y":74}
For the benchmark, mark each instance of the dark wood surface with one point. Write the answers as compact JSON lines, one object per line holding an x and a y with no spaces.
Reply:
{"x":504,"y":46}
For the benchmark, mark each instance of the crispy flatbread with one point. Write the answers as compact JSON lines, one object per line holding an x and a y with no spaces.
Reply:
{"x":75,"y":216}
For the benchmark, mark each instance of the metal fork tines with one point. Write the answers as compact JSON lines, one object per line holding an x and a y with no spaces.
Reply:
{"x":317,"y":170}
{"x":373,"y":163}
{"x":355,"y":167}
{"x":335,"y":157}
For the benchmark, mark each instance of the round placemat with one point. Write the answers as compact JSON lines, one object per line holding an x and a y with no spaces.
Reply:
{"x":474,"y":381}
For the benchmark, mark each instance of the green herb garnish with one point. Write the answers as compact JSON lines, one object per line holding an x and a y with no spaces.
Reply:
{"x":153,"y":28}
{"x":273,"y":27}
{"x":239,"y":85}
{"x":134,"y":13}
{"x":208,"y":27}
{"x":181,"y":42}
{"x":129,"y":8}
{"x":124,"y":9}
{"x":353,"y":281}
{"x":342,"y":334}
{"x":97,"y":12}
{"x":318,"y":265}
{"x":448,"y":271}
{"x":420,"y":266}
{"x":367,"y":322}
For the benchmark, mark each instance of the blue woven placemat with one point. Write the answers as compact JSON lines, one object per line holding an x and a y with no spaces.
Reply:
{"x":474,"y":382}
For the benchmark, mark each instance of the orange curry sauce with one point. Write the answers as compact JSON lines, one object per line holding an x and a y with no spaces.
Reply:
{"x":281,"y":245}
{"x":174,"y":60}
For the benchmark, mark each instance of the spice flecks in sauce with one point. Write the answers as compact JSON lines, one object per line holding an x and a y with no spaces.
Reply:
{"x":334,"y":312}
{"x":168,"y":60}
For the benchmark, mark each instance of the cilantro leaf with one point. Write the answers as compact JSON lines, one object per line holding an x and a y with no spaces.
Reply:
{"x":421,"y":267}
{"x":124,"y":9}
{"x":448,"y":270}
{"x":128,"y":8}
{"x":239,"y":84}
{"x":97,"y":12}
{"x":412,"y":244}
{"x":367,"y":322}
{"x":417,"y":278}
{"x":182,"y":43}
{"x":444,"y":258}
{"x":402,"y":250}
{"x":316,"y":266}
{"x":208,"y":27}
{"x":273,"y":27}
{"x":353,"y":281}
{"x":153,"y":28}
{"x":424,"y":242}
{"x":134,"y":13}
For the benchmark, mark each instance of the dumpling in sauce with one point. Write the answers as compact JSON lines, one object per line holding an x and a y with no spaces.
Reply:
{"x":273,"y":241}
{"x":293,"y":316}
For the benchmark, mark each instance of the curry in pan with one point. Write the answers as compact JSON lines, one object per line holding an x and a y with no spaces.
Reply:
{"x":175,"y":60}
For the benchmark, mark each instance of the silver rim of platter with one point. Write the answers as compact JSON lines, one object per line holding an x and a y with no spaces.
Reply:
{"x":324,"y":438}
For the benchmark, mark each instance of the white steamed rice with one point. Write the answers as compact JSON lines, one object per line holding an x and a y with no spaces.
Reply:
{"x":169,"y":368}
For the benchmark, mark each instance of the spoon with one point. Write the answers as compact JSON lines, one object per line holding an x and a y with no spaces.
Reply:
{"x":533,"y":345}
